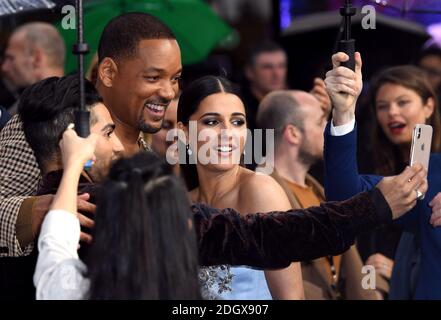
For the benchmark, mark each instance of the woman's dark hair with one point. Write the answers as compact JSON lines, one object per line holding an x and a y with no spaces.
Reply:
{"x":144,"y":246}
{"x":387,"y":157}
{"x":188,"y":104}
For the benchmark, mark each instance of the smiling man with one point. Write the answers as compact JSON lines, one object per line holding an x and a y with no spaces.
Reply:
{"x":138,"y":75}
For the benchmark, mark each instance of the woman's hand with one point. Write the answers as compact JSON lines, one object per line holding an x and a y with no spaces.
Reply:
{"x":435,"y":204}
{"x":400,"y":191}
{"x":76,"y":151}
{"x":382,"y":264}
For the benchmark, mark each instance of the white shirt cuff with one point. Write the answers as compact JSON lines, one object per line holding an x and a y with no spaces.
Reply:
{"x":343,"y":129}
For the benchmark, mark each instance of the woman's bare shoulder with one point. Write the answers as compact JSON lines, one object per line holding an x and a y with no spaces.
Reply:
{"x":260,"y":190}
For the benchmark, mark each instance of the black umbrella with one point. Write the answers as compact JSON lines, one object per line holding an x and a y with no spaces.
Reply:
{"x":311,"y":40}
{"x":405,"y":7}
{"x":13,"y":7}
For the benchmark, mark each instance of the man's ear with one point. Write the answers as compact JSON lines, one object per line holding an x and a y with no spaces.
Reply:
{"x":37,"y":58}
{"x":292,"y":134}
{"x":107,"y":71}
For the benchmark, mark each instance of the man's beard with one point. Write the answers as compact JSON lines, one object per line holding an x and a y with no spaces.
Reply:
{"x":142,"y":124}
{"x":145,"y":128}
{"x":306,"y":156}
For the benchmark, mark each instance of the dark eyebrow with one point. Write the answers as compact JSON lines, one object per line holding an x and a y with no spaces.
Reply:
{"x":210,"y":114}
{"x":159,"y":70}
{"x":108,"y":126}
{"x":403,"y":96}
{"x":152,"y":69}
{"x":234,"y":114}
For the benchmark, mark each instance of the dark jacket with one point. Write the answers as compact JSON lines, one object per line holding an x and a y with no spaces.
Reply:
{"x":4,"y":117}
{"x":16,"y":273}
{"x":343,"y":181}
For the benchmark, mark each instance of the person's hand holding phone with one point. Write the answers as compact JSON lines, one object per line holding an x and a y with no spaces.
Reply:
{"x":400,"y":191}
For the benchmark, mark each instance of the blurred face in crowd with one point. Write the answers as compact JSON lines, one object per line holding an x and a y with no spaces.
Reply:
{"x":222,"y":131}
{"x":108,"y":147}
{"x":159,"y":140}
{"x":399,"y":109}
{"x":142,"y":87}
{"x":18,"y":64}
{"x":314,"y":122}
{"x":268,"y":73}
{"x":432,"y":64}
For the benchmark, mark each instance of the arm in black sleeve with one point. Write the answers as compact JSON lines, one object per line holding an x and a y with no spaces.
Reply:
{"x":276,"y":239}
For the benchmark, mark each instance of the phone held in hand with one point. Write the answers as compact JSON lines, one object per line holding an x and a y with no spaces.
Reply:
{"x":421,"y":145}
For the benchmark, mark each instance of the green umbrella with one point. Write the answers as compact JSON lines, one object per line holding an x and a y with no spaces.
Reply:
{"x":197,"y":28}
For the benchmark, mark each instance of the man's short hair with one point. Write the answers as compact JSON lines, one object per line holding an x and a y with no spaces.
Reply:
{"x":277,"y":110}
{"x":46,"y":37}
{"x":46,"y":108}
{"x":262,"y":47}
{"x":122,"y":35}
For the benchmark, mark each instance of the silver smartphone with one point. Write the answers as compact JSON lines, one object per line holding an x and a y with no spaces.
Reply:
{"x":421,"y":145}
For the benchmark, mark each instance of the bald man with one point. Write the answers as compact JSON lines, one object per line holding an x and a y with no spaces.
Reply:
{"x":35,"y":51}
{"x":299,"y":121}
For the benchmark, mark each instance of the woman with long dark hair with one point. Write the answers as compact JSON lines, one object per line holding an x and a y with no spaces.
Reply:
{"x":400,"y":97}
{"x":143,"y":243}
{"x":212,"y":107}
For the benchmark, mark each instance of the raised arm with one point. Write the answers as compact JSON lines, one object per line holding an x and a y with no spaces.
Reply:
{"x":344,"y":86}
{"x":276,"y":239}
{"x":58,"y":274}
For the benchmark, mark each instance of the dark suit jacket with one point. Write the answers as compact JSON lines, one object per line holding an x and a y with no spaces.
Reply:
{"x":343,"y":181}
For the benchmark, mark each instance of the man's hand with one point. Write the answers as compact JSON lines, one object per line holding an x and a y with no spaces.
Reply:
{"x":41,"y":208}
{"x":382,"y":265}
{"x":435,"y":204}
{"x":344,"y":86}
{"x":319,"y":91}
{"x":86,"y":207}
{"x":400,"y":191}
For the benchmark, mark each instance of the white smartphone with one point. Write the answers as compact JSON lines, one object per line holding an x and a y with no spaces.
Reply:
{"x":421,"y":145}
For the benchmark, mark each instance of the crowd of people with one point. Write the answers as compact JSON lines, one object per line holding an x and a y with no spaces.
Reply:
{"x":170,"y":209}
